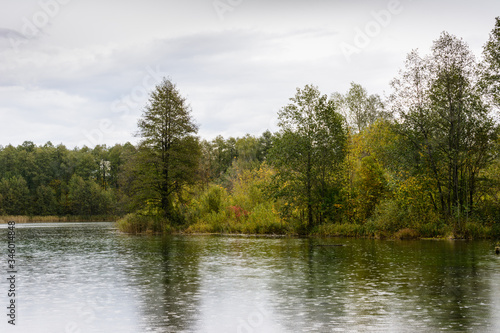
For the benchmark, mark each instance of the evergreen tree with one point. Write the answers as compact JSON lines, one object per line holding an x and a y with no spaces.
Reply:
{"x":169,"y":150}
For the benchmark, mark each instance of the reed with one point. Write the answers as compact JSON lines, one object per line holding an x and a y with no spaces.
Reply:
{"x":57,"y":219}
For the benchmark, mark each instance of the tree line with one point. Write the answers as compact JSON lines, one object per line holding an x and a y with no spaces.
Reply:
{"x":53,"y":180}
{"x":423,"y":161}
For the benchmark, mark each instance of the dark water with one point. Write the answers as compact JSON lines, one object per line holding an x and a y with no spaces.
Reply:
{"x":90,"y":278}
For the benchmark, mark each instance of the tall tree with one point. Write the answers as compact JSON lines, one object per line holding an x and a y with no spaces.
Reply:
{"x":444,"y":117}
{"x":307,"y":151}
{"x":491,"y":53}
{"x":360,"y":109}
{"x":169,"y":148}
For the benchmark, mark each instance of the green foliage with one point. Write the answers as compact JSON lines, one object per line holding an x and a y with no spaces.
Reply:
{"x":343,"y":230}
{"x":307,"y":152}
{"x":215,"y":200}
{"x":136,"y":223}
{"x":246,"y":209}
{"x":391,"y":217}
{"x":435,"y":229}
{"x":221,"y":158}
{"x":407,"y":233}
{"x":14,"y":196}
{"x":338,"y":167}
{"x":446,"y":122}
{"x":169,"y":152}
{"x":371,"y":158}
{"x":35,"y":180}
{"x":359,"y":109}
{"x":264,"y":219}
{"x":495,"y":231}
{"x":491,"y":65}
{"x":87,"y":198}
{"x":473,"y":229}
{"x":45,"y":201}
{"x":371,"y":184}
{"x":209,"y":211}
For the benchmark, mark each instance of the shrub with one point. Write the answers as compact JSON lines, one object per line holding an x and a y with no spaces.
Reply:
{"x":136,"y":223}
{"x":407,"y":233}
{"x":434,"y":229}
{"x":473,"y":229}
{"x":265,"y":220}
{"x":495,"y":230}
{"x":341,"y":230}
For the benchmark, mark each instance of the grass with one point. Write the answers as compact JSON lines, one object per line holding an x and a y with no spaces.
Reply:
{"x":371,"y":229}
{"x":264,"y":222}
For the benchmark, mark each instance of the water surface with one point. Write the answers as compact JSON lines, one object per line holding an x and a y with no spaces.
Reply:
{"x":87,"y":277}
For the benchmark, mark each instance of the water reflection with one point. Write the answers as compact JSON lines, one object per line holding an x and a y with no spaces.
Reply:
{"x":90,"y":278}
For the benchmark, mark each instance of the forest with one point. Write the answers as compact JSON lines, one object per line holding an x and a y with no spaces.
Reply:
{"x":421,"y":162}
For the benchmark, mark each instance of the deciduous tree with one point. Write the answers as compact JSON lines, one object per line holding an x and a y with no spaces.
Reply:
{"x":359,"y":109}
{"x":446,"y":120}
{"x":491,"y":65}
{"x":307,"y":151}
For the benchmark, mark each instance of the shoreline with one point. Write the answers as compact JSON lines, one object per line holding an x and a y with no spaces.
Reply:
{"x":193,"y":232}
{"x":55,"y":219}
{"x":311,"y":236}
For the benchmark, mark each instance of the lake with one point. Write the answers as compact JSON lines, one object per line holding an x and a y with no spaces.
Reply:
{"x":88,"y":277}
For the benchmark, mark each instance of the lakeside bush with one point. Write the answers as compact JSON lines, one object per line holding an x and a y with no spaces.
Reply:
{"x":406,"y":233}
{"x":244,"y":210}
{"x":136,"y":224}
{"x":342,"y":230}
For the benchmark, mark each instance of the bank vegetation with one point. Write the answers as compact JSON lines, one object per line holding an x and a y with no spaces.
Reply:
{"x":421,"y":162}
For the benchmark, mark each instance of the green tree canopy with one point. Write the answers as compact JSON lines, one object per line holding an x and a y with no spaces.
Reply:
{"x":491,"y":53}
{"x":359,"y":109}
{"x":446,"y":121}
{"x":169,"y":148}
{"x":308,"y":150}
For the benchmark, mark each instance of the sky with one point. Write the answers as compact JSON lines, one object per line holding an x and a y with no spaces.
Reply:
{"x":79,"y":72}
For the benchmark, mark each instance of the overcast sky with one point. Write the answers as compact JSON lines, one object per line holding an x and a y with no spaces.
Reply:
{"x":78,"y":72}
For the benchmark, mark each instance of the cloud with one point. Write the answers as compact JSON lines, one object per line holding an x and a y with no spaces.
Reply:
{"x":11,"y":34}
{"x":235,"y":80}
{"x":95,"y":64}
{"x":43,"y":115}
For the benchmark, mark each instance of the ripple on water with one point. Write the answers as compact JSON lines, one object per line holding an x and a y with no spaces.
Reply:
{"x":89,"y":278}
